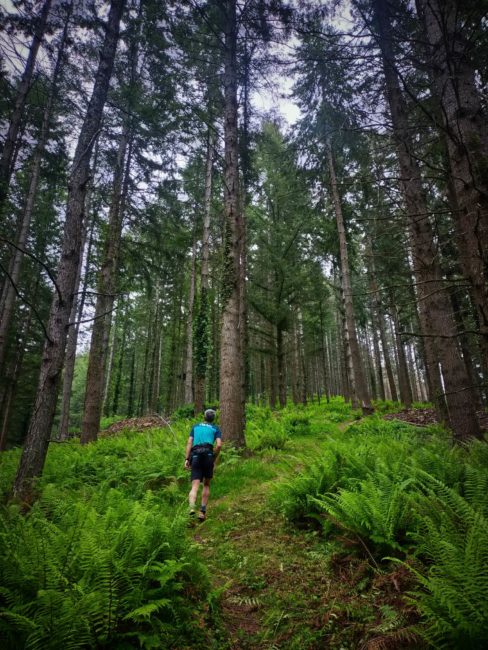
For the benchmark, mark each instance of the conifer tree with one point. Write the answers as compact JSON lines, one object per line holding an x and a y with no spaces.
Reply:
{"x":37,"y":441}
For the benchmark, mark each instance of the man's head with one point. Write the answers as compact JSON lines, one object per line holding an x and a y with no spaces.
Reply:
{"x":209,"y":415}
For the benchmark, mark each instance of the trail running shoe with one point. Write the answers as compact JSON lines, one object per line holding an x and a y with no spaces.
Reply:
{"x":202,"y":516}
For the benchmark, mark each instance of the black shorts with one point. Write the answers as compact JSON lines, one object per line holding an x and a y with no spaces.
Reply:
{"x":202,"y":465}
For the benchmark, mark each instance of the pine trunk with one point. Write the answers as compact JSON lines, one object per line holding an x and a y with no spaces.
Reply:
{"x":189,"y":329}
{"x":37,"y":441}
{"x":355,"y":365}
{"x":231,"y":364}
{"x":107,"y":281}
{"x":435,"y":310}
{"x":9,"y":290}
{"x":10,"y":144}
{"x":280,"y":361}
{"x":466,"y":126}
{"x":75,"y":318}
{"x":403,"y":378}
{"x":201,"y":327}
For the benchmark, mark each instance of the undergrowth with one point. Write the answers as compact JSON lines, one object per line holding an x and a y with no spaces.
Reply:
{"x":103,"y":559}
{"x":406,"y":493}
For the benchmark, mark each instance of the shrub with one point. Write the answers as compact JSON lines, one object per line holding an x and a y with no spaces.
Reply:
{"x":451,"y":539}
{"x":102,"y":559}
{"x":266,"y":433}
{"x":405,"y":491}
{"x":97,"y":572}
{"x":185,"y":412}
{"x":297,"y":425}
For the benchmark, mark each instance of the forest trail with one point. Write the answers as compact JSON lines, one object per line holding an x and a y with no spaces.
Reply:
{"x":276,"y":586}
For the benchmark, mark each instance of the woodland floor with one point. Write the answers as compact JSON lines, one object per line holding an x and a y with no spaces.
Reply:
{"x":426,"y":416}
{"x":287,"y":588}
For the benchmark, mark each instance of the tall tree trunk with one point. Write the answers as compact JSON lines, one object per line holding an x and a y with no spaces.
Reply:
{"x":403,"y":378}
{"x":13,"y":376}
{"x":189,"y":329}
{"x":201,"y":326}
{"x":231,"y":364}
{"x":120,"y":365}
{"x":280,"y":361}
{"x":156,"y":365}
{"x":37,"y":441}
{"x":110,"y":355}
{"x":76,"y":316}
{"x":132,"y":383}
{"x":107,"y":284}
{"x":9,"y":290}
{"x":10,"y":144}
{"x":375,"y":315}
{"x":372,"y":367}
{"x":435,"y":310}
{"x":324,"y":355}
{"x":143,"y":396}
{"x":466,"y":126}
{"x":386,"y":355}
{"x":465,"y":348}
{"x":356,"y":363}
{"x":272,"y":373}
{"x":377,"y":356}
{"x":303,"y":365}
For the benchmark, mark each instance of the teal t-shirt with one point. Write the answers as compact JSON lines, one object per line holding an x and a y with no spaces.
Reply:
{"x":205,"y":433}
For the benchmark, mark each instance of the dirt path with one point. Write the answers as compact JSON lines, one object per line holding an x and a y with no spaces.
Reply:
{"x":274,"y":578}
{"x":284,"y":588}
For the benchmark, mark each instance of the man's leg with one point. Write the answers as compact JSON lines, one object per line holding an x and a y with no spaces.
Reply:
{"x":192,"y":497}
{"x":205,"y":495}
{"x":205,"y":492}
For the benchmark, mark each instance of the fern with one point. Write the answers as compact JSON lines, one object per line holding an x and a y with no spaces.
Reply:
{"x":376,"y":510}
{"x":101,"y":560}
{"x":452,"y":538}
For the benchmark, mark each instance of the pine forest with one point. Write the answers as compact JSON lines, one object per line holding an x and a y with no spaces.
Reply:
{"x":244,"y":265}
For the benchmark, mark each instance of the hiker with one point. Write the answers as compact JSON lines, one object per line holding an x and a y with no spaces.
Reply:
{"x":200,"y":457}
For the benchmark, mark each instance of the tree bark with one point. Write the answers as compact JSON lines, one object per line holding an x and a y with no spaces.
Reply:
{"x":280,"y":361}
{"x":189,"y":329}
{"x":434,"y":306}
{"x":356,"y":364}
{"x":107,"y":284}
{"x":37,"y":441}
{"x":231,"y":363}
{"x":201,"y":327}
{"x":324,"y":355}
{"x":403,"y":378}
{"x":8,"y":294}
{"x":120,"y":365}
{"x":466,"y":126}
{"x":75,"y":318}
{"x":6,"y":161}
{"x":375,"y":316}
{"x":132,"y":382}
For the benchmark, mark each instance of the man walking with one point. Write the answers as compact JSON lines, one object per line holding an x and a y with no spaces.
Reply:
{"x":200,"y":457}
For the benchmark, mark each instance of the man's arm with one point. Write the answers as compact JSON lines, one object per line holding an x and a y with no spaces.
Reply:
{"x":189,"y":445}
{"x":218,"y":443}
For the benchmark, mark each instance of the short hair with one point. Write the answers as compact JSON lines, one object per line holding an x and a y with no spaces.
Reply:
{"x":209,"y":415}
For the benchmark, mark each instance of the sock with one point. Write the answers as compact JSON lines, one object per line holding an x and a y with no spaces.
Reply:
{"x":203,"y":508}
